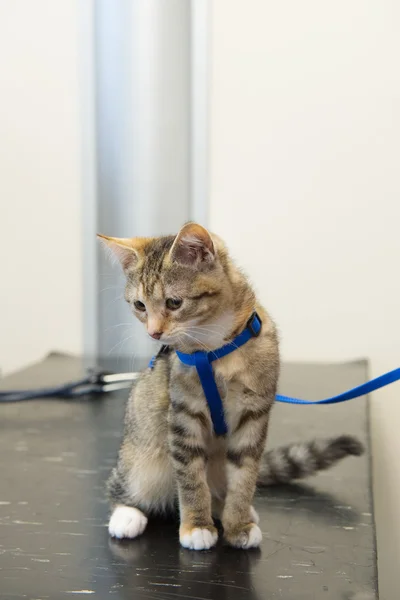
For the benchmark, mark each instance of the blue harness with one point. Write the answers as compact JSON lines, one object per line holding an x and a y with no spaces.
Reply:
{"x":202,"y":361}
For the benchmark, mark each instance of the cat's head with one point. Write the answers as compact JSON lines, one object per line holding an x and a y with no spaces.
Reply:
{"x":179,"y":287}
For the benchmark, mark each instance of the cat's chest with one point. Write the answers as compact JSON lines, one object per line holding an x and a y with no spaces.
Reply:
{"x":236,"y":398}
{"x":234,"y":393}
{"x":228,"y":368}
{"x":229,"y":383}
{"x":231,"y":380}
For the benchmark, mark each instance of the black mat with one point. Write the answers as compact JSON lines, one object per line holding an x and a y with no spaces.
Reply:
{"x":319,"y":540}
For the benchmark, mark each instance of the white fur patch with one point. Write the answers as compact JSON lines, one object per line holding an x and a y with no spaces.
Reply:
{"x":127,"y":522}
{"x":255,"y":537}
{"x":199,"y":539}
{"x":152,"y":483}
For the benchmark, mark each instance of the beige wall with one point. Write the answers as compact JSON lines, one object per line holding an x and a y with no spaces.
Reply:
{"x":40,"y":181}
{"x":305,"y":187}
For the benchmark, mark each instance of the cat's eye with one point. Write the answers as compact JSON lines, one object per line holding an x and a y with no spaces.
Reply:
{"x":139,"y":305}
{"x":173,"y":303}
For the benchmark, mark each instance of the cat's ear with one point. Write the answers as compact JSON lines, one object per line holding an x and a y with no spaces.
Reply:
{"x":193,"y":245}
{"x":122,"y":248}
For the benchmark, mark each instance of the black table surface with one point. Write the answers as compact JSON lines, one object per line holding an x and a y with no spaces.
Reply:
{"x":318,"y":537}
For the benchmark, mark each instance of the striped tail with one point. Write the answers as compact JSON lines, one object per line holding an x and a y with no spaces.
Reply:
{"x":296,"y":461}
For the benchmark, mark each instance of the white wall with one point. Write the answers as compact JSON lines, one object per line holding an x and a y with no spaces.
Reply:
{"x":40,"y":181}
{"x":305,"y":187}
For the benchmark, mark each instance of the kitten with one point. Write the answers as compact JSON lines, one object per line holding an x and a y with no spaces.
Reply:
{"x":187,"y":292}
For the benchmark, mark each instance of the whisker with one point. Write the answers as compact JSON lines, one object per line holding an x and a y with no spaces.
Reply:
{"x":181,"y":341}
{"x":231,"y":343}
{"x":133,"y":361}
{"x":113,"y":301}
{"x":207,"y":348}
{"x":120,"y":342}
{"x":210,"y":327}
{"x":110,"y":287}
{"x":119,"y":325}
{"x":197,"y":341}
{"x":206,"y":331}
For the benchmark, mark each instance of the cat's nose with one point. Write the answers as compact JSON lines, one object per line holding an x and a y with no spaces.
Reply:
{"x":156,"y":335}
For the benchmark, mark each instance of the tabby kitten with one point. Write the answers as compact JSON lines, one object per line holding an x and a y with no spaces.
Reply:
{"x":189,"y":295}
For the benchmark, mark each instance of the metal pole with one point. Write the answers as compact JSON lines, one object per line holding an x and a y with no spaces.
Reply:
{"x":143,"y":141}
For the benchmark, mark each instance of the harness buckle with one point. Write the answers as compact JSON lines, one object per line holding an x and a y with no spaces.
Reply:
{"x":255,"y":332}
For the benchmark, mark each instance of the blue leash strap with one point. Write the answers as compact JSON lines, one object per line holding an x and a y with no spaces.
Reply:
{"x":359,"y":390}
{"x":207,"y":380}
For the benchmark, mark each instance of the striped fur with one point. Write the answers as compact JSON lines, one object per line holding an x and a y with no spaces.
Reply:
{"x":169,"y":455}
{"x":301,"y":460}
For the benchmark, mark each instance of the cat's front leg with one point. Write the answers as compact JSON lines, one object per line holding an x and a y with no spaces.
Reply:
{"x":188,"y":432}
{"x":245,"y":447}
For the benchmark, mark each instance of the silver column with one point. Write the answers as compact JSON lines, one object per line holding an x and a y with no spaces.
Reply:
{"x":143,"y":142}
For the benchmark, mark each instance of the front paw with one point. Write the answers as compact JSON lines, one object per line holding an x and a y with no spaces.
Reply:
{"x":244,"y":535}
{"x":127,"y":522}
{"x":198,"y":538}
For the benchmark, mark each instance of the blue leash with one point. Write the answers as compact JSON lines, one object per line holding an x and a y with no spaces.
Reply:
{"x":202,"y":361}
{"x":356,"y":392}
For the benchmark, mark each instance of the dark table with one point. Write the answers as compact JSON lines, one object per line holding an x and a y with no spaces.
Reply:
{"x":319,"y":539}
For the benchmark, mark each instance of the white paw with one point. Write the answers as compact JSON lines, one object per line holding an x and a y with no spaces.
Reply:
{"x":127,"y":522}
{"x":199,"y":539}
{"x":254,"y":518}
{"x":254,"y":537}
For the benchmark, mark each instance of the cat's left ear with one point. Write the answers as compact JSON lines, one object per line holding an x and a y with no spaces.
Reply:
{"x":123,"y":248}
{"x":193,"y":245}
